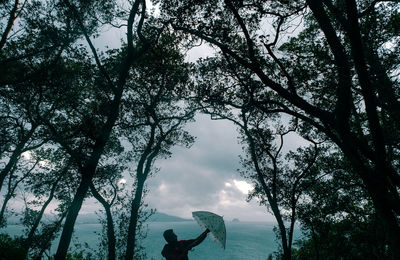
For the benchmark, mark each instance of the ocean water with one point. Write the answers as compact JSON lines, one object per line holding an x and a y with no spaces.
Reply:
{"x":245,"y":240}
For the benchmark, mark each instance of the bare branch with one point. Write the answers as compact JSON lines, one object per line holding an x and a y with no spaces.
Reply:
{"x":11,"y":19}
{"x":92,"y":48}
{"x":282,"y":67}
{"x":250,"y":43}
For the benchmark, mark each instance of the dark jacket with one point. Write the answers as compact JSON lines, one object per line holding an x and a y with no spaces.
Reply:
{"x":179,"y":250}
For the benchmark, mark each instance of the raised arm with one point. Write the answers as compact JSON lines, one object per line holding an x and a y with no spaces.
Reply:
{"x":199,"y":239}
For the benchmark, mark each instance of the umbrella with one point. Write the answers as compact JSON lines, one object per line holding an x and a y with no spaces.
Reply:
{"x":214,"y":223}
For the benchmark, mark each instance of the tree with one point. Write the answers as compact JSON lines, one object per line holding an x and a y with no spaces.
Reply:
{"x":20,"y":131}
{"x":107,"y":204}
{"x":53,"y":182}
{"x":330,"y":75}
{"x":154,"y":115}
{"x":12,"y":11}
{"x":279,"y":177}
{"x":338,"y":216}
{"x":91,"y":129}
{"x":10,"y":248}
{"x":34,"y":35}
{"x":74,"y":101}
{"x":17,"y":175}
{"x":278,"y":185}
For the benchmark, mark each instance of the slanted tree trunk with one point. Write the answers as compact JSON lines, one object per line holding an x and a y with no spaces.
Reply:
{"x":287,"y":251}
{"x":87,"y":175}
{"x":134,"y":217}
{"x":11,"y":19}
{"x":111,"y":241}
{"x":386,"y":204}
{"x":384,"y":197}
{"x":90,"y":166}
{"x":143,"y":169}
{"x":73,"y":211}
{"x":11,"y":190}
{"x":29,"y":239}
{"x":19,"y":149}
{"x":45,"y":243}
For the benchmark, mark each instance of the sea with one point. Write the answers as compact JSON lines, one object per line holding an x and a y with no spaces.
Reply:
{"x":244,"y":240}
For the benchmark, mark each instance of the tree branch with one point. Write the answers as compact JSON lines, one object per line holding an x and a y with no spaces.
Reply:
{"x":11,"y":19}
{"x":250,"y":43}
{"x":343,"y":105}
{"x":92,"y":48}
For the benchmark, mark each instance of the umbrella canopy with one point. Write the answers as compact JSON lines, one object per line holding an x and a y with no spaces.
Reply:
{"x":214,"y":223}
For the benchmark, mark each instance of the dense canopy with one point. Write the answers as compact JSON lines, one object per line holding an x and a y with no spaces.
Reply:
{"x":77,"y":116}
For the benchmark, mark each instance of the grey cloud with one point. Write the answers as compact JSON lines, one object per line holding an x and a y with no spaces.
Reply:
{"x":195,"y":179}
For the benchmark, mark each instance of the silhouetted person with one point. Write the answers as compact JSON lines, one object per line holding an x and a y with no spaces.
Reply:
{"x":178,"y":250}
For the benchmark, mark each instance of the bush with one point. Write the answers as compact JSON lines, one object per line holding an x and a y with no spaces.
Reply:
{"x":10,"y":249}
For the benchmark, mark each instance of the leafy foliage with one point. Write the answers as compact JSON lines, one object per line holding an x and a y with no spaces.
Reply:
{"x":324,"y":71}
{"x":10,"y":248}
{"x":329,"y":76}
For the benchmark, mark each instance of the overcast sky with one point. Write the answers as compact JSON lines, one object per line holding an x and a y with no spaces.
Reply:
{"x":205,"y":177}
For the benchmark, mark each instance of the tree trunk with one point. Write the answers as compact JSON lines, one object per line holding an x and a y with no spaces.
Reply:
{"x":384,"y":210}
{"x":45,"y":244}
{"x":73,"y":211}
{"x":14,"y":158}
{"x":10,"y":23}
{"x":130,"y":246}
{"x":7,"y":197}
{"x":28,"y":241}
{"x":392,"y":230}
{"x":376,"y":182}
{"x":110,"y":234}
{"x":10,"y":164}
{"x":287,"y":254}
{"x":315,"y":242}
{"x":87,"y":176}
{"x":385,"y":203}
{"x":112,"y":116}
{"x":271,"y":200}
{"x":110,"y":223}
{"x":291,"y":229}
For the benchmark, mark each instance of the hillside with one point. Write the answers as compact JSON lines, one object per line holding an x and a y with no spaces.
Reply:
{"x":92,"y":218}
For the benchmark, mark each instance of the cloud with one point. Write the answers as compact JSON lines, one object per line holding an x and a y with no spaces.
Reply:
{"x":243,"y":186}
{"x":205,"y":176}
{"x":201,"y":51}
